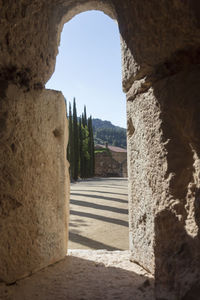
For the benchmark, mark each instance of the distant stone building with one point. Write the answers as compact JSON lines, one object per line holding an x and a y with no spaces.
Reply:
{"x":110,"y":161}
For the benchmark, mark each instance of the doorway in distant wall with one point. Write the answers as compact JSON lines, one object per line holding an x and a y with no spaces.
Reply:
{"x":88,"y":68}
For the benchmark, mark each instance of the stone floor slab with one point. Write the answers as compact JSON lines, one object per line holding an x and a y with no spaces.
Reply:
{"x":85,"y":275}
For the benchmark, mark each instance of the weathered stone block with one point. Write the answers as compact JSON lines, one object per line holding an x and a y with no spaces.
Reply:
{"x":164,"y":182}
{"x":34,"y":183}
{"x":146,"y":168}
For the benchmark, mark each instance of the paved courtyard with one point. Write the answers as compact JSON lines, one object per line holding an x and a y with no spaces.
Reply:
{"x":99,"y":214}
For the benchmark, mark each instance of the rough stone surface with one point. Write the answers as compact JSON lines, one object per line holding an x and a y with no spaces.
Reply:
{"x":30,"y":61}
{"x":154,"y":33}
{"x":34,"y":183}
{"x":85,"y":274}
{"x":178,"y":215}
{"x":164,"y":172}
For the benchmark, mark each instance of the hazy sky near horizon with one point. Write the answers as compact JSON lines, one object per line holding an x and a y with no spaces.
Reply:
{"x":88,"y":67}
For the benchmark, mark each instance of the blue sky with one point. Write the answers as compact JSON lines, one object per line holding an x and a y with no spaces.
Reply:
{"x":88,"y":67}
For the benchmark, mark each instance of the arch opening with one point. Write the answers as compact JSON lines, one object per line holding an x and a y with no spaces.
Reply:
{"x":88,"y":68}
{"x":70,"y":11}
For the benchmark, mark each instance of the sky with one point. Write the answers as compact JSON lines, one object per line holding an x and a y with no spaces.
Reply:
{"x":88,"y":67}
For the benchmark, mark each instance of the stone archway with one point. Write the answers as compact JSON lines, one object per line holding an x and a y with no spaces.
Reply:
{"x":160,"y":49}
{"x":35,"y":198}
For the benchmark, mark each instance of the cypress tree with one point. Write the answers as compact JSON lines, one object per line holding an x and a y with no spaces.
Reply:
{"x":68,"y":131}
{"x":70,"y":144}
{"x":80,"y":151}
{"x":81,"y":157}
{"x":75,"y":142}
{"x":86,"y":155}
{"x":84,"y":117}
{"x":91,"y":148}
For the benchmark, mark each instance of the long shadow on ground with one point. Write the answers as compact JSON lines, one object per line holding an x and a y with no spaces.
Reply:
{"x":99,"y":206}
{"x":100,"y":197}
{"x":92,"y":244}
{"x":102,"y":218}
{"x":94,"y":191}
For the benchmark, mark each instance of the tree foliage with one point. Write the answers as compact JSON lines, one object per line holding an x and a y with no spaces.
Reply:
{"x":113,"y":136}
{"x":106,"y":132}
{"x":75,"y":142}
{"x":80,"y":152}
{"x":70,"y":148}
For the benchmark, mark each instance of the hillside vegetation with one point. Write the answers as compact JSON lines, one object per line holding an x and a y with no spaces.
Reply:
{"x":106,"y":132}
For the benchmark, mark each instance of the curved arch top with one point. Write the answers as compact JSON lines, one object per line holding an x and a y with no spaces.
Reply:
{"x":30,"y":34}
{"x":87,"y":5}
{"x":82,"y":6}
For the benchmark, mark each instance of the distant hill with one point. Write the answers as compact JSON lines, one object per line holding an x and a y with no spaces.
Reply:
{"x":106,"y":132}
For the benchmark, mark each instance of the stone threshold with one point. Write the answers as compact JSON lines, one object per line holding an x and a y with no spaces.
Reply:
{"x":85,"y":275}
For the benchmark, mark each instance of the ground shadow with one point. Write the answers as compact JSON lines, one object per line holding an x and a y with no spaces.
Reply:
{"x":111,"y":186}
{"x":96,"y":212}
{"x":75,"y":278}
{"x":99,"y":206}
{"x":98,"y":217}
{"x":100,"y":197}
{"x":105,"y":179}
{"x":102,"y":192}
{"x":90,"y":243}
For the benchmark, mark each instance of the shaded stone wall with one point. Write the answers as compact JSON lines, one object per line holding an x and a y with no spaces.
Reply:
{"x":164,"y":166}
{"x":160,"y":53}
{"x":177,"y":216}
{"x":34,"y":181}
{"x":160,"y":56}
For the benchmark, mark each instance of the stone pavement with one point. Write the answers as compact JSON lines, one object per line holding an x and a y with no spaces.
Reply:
{"x":99,"y":214}
{"x":85,"y":275}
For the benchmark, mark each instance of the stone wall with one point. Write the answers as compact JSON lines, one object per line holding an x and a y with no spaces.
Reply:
{"x":110,"y":163}
{"x":34,"y":181}
{"x":119,"y":156}
{"x":164,"y":166}
{"x":106,"y":166}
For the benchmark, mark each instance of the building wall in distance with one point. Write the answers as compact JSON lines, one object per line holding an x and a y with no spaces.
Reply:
{"x":111,"y":162}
